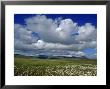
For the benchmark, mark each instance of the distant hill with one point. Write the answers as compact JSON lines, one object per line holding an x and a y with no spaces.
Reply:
{"x":49,"y":57}
{"x":23,"y":56}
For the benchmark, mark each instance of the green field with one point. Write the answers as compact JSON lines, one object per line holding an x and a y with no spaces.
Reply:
{"x":27,"y":66}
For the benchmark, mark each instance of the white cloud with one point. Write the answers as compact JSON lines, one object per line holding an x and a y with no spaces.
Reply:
{"x":24,"y":35}
{"x":52,"y":30}
{"x":20,"y":45}
{"x":87,"y":33}
{"x":54,"y":34}
{"x":40,"y":44}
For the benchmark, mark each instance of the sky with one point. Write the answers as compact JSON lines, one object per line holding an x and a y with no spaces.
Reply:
{"x":70,"y":34}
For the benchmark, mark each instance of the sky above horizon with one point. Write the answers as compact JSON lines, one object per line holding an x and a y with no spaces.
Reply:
{"x":70,"y":32}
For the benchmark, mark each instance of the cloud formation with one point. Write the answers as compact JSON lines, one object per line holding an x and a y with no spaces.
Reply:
{"x":41,"y":32}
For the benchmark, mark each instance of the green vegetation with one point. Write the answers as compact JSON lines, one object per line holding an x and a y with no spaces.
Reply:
{"x":27,"y":66}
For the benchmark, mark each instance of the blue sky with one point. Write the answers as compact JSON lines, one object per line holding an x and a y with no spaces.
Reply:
{"x":20,"y":21}
{"x":81,"y":19}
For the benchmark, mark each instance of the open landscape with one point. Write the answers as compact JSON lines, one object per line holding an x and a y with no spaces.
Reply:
{"x":28,"y":66}
{"x":55,"y":44}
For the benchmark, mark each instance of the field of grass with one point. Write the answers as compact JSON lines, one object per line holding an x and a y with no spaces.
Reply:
{"x":54,"y":67}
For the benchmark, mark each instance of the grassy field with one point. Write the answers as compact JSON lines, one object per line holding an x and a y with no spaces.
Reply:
{"x":54,"y":67}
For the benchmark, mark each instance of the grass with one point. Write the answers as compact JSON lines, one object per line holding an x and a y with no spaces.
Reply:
{"x":54,"y":67}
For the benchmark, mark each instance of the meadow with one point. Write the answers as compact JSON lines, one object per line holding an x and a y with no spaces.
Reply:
{"x":27,"y":66}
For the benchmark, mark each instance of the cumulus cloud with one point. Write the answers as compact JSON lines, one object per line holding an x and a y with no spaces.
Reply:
{"x":87,"y":33}
{"x":51,"y":30}
{"x":41,"y":32}
{"x":24,"y":35}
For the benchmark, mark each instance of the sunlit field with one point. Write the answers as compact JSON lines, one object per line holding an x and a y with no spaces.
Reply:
{"x":54,"y":67}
